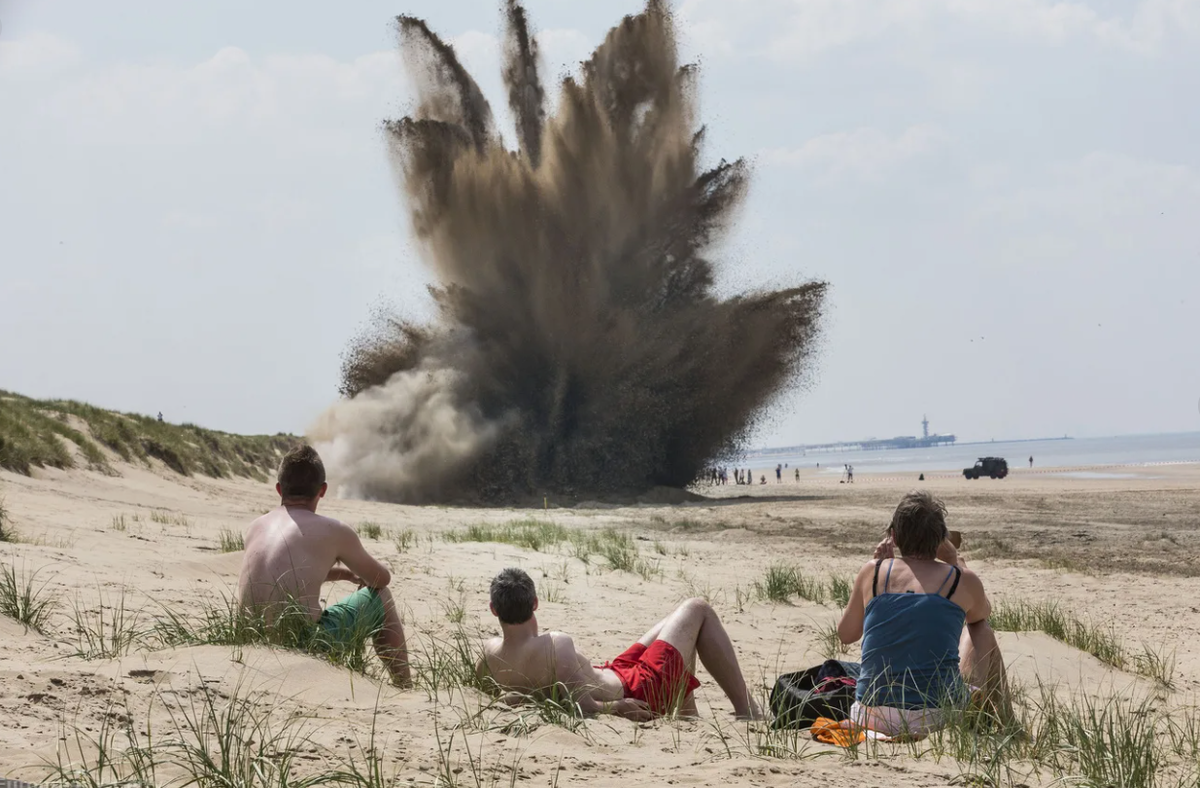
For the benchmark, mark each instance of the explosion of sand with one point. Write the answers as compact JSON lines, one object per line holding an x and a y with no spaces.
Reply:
{"x":579,"y":348}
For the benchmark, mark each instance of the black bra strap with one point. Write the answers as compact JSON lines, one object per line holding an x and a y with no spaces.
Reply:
{"x":954,"y":585}
{"x":875,"y":581}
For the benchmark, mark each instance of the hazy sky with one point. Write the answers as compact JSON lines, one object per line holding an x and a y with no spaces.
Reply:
{"x":196,"y":213}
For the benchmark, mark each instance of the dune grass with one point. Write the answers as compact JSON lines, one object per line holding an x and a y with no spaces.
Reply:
{"x":6,"y":532}
{"x":1062,"y":625}
{"x":1156,"y":664}
{"x":530,"y":533}
{"x":231,"y":541}
{"x":370,"y":530}
{"x":212,"y":739}
{"x":782,"y":582}
{"x":23,"y":599}
{"x":618,"y":549}
{"x":404,"y":540}
{"x":110,"y":630}
{"x":40,"y":433}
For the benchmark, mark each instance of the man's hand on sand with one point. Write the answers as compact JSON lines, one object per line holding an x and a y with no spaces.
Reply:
{"x":633,"y":709}
{"x":885,"y":549}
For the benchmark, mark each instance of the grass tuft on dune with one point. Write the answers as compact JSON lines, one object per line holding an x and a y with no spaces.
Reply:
{"x":41,"y":434}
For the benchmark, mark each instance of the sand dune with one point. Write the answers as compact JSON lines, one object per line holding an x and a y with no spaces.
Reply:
{"x":167,"y":556}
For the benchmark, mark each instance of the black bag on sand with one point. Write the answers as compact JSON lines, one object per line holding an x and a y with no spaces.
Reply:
{"x":827,"y":690}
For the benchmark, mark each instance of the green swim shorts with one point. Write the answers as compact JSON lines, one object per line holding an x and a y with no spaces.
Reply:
{"x":353,"y":620}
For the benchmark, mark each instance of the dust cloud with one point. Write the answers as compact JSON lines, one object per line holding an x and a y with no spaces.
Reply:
{"x":579,"y":347}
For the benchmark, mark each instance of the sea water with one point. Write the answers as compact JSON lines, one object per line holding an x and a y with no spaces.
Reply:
{"x":1129,"y":450}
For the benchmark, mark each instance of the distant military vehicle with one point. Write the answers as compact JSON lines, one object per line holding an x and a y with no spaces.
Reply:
{"x":992,"y":467}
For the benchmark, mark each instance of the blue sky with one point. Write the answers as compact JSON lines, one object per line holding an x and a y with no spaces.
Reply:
{"x":196,"y":213}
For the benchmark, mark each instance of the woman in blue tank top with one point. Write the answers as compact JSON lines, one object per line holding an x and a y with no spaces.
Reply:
{"x":922,"y":617}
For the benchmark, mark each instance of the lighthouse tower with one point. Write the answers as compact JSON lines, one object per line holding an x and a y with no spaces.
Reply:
{"x":925,"y":427}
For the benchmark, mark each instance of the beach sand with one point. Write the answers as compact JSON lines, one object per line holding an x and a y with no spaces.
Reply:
{"x":1113,"y":550}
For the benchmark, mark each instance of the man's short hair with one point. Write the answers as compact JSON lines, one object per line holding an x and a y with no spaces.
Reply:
{"x":301,"y":473}
{"x":513,"y":596}
{"x":919,"y":525}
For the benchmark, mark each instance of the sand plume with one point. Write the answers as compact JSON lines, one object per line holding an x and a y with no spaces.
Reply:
{"x":579,"y":347}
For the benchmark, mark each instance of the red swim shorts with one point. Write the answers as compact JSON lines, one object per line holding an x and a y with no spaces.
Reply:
{"x":655,"y":675}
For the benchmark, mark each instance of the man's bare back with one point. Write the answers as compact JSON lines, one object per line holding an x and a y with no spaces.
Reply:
{"x":652,"y":677}
{"x":291,"y":551}
{"x":538,"y":665}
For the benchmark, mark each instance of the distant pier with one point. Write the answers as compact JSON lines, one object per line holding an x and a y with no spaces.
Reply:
{"x":869,"y":444}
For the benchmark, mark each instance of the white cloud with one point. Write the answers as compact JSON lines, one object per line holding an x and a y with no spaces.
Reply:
{"x":35,"y":56}
{"x":563,"y":49}
{"x":864,"y":153}
{"x":803,"y":29}
{"x":302,"y":99}
{"x":1098,"y":186}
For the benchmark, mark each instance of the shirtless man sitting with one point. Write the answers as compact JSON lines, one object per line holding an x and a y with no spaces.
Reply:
{"x":652,"y":678}
{"x":291,"y":551}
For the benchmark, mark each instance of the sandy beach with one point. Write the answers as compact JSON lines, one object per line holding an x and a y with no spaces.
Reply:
{"x":1112,"y":550}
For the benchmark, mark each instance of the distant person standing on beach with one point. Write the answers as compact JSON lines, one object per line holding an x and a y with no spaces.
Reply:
{"x":778,"y":474}
{"x":797,"y":474}
{"x":850,"y":474}
{"x":1030,"y":460}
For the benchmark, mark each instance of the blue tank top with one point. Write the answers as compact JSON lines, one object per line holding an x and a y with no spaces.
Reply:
{"x":910,"y":649}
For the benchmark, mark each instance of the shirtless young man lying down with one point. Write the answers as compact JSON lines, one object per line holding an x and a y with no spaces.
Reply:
{"x":291,"y":551}
{"x":653,"y":677}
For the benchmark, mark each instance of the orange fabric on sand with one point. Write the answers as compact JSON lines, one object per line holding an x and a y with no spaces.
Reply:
{"x":847,"y":734}
{"x":831,"y":732}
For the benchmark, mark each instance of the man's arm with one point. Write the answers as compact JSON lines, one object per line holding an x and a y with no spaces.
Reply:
{"x":351,"y":552}
{"x":338,"y":574}
{"x":569,"y":672}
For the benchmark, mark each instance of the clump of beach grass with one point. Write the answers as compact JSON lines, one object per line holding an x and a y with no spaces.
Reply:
{"x":782,"y":582}
{"x":404,"y":539}
{"x":6,"y":532}
{"x":109,"y":631}
{"x":1062,"y":625}
{"x":370,"y":530}
{"x":1156,"y":664}
{"x":840,"y":589}
{"x":23,"y":599}
{"x":529,"y":533}
{"x":619,"y":550}
{"x":831,"y":646}
{"x":442,"y":663}
{"x":550,"y":591}
{"x":231,"y":541}
{"x":212,"y":739}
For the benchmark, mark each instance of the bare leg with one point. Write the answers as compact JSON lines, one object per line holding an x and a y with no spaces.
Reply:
{"x":652,"y":635}
{"x":694,"y":630}
{"x":982,"y":665}
{"x":390,"y":644}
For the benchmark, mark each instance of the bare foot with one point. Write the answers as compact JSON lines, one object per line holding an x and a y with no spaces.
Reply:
{"x":754,"y":715}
